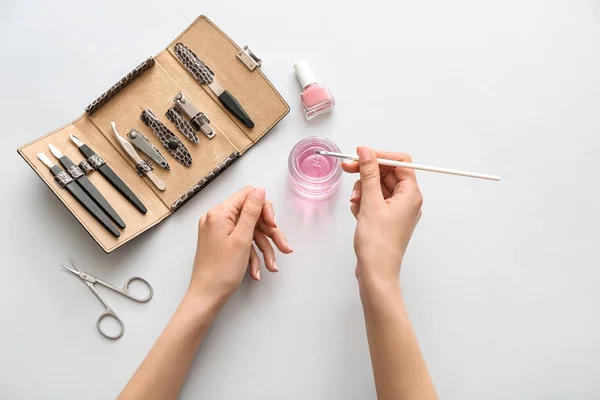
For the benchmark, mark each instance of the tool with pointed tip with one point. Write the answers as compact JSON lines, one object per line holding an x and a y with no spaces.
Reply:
{"x":91,"y":280}
{"x":77,"y":192}
{"x":87,"y":186}
{"x":160,"y":185}
{"x":394,"y":163}
{"x":110,"y":175}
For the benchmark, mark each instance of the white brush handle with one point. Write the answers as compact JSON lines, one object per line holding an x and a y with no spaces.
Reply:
{"x":393,"y":163}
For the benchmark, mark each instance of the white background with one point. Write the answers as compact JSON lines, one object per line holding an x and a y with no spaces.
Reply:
{"x":500,"y":279}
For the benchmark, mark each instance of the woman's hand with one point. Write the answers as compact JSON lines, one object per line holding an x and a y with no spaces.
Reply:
{"x":225,"y":249}
{"x":386,"y":201}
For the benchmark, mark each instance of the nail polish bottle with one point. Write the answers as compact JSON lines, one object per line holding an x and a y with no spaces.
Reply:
{"x":316,"y":98}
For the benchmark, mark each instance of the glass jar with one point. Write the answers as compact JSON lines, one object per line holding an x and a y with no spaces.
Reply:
{"x":313,"y":175}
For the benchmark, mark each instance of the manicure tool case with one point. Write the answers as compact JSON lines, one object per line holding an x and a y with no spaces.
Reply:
{"x":153,"y":85}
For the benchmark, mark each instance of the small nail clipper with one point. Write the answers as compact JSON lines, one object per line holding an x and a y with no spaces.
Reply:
{"x":198,"y":119}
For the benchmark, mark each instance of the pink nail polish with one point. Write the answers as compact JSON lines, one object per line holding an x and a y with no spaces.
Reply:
{"x":316,"y":98}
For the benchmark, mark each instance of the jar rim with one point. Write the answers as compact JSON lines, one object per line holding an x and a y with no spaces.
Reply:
{"x":328,"y":145}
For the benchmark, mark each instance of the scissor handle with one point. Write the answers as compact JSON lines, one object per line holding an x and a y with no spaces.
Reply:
{"x":128,"y":293}
{"x":109,"y":313}
{"x":125,"y":290}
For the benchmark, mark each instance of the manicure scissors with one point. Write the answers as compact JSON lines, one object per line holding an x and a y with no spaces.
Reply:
{"x":109,"y":313}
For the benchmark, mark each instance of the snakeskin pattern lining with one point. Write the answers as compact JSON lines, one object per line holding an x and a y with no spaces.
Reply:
{"x":143,"y":167}
{"x":85,"y":167}
{"x":63,"y":179}
{"x":117,"y":87}
{"x":96,"y":161}
{"x":206,"y":180}
{"x":194,"y":65}
{"x":175,"y":116}
{"x":75,"y":171}
{"x":174,"y":146}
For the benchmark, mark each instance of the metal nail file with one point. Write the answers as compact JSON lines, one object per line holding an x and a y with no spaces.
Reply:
{"x":141,"y":142}
{"x":110,"y":176}
{"x":206,"y":76}
{"x":87,"y":186}
{"x":160,"y":185}
{"x":79,"y":195}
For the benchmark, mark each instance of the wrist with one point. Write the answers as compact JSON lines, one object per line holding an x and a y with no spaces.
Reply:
{"x":200,"y":305}
{"x":376,"y":285}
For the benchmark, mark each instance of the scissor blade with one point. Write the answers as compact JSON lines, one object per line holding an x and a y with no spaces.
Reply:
{"x":69,"y":269}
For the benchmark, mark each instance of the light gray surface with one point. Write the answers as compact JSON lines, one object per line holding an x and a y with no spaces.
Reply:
{"x":500,"y":279}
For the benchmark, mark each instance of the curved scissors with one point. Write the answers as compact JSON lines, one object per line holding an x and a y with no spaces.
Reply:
{"x":109,"y":313}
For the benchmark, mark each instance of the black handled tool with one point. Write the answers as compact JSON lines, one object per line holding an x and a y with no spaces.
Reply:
{"x":231,"y":104}
{"x":88,"y":187}
{"x":65,"y":181}
{"x":205,"y":76}
{"x":109,"y":174}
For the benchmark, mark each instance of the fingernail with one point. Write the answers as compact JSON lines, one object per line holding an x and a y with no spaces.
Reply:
{"x":259,"y":193}
{"x":288,"y":246}
{"x":275,"y":267}
{"x":353,"y":195}
{"x":258,"y":275}
{"x":364,"y":153}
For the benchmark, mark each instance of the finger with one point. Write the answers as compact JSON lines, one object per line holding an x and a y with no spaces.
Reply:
{"x":350,"y":167}
{"x":388,"y":178}
{"x":356,"y":194}
{"x":355,"y":209}
{"x":265,"y":247}
{"x":237,"y":199}
{"x":401,"y":173}
{"x":369,"y":176}
{"x":268,"y":214}
{"x":277,"y":237}
{"x":251,"y":211}
{"x":254,"y":264}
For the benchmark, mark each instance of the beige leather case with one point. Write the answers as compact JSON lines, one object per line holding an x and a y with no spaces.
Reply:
{"x":154,"y":88}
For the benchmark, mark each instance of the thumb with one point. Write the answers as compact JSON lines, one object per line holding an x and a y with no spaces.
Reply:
{"x":369,"y":175}
{"x":250,"y":214}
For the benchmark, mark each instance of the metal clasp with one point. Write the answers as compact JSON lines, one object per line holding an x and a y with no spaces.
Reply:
{"x":249,"y":58}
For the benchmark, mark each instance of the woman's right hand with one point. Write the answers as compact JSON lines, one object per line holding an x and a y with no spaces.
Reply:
{"x":386,"y":202}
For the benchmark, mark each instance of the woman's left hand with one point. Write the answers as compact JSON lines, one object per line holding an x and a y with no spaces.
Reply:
{"x":226,"y":238}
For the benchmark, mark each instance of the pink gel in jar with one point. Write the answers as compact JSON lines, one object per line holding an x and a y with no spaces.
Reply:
{"x":313,"y":175}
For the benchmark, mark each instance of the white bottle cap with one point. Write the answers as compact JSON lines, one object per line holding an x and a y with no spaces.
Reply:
{"x":304,"y":74}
